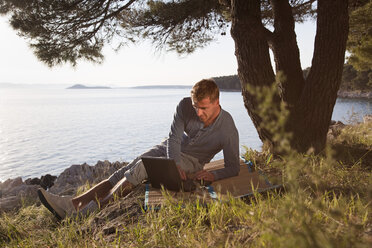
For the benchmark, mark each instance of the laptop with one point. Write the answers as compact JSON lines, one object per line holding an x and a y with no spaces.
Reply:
{"x":163,"y":171}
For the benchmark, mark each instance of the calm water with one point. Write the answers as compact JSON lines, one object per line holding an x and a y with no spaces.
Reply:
{"x":47,"y":130}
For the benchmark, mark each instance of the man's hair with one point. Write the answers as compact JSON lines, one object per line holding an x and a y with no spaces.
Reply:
{"x":205,"y":88}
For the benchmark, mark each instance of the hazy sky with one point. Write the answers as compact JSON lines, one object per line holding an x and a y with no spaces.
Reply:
{"x":133,"y":65}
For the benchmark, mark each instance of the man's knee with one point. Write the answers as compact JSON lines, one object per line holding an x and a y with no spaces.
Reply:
{"x":136,"y":174}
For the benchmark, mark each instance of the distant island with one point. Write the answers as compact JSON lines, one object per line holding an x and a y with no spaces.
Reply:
{"x":163,"y":87}
{"x":225,"y":83}
{"x":228,"y":83}
{"x":353,"y":84}
{"x":80,"y":86}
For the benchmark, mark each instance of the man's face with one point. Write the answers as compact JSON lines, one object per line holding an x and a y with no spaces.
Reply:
{"x":206,"y":110}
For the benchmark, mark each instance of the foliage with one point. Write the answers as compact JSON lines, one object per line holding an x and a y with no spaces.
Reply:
{"x":181,"y":26}
{"x":356,"y":80}
{"x":274,"y":116}
{"x":360,"y":38}
{"x":67,"y":31}
{"x":352,"y":79}
{"x":358,"y":72}
{"x":228,"y":83}
{"x":358,"y":134}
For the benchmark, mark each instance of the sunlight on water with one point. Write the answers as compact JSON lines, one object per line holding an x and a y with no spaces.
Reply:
{"x":47,"y":130}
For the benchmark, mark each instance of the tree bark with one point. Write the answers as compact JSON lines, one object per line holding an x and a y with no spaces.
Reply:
{"x":309,"y":101}
{"x":252,"y":53}
{"x":314,"y":111}
{"x":286,"y":52}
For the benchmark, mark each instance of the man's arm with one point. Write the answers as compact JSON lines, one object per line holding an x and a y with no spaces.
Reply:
{"x":175,"y":134}
{"x":230,"y":154}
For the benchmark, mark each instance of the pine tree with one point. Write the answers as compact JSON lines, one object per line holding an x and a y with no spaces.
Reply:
{"x":69,"y":30}
{"x":360,"y":38}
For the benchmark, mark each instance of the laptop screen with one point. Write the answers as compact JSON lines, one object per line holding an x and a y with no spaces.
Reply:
{"x":162,"y":171}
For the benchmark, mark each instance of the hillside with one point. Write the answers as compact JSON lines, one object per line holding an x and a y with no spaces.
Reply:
{"x":80,"y":86}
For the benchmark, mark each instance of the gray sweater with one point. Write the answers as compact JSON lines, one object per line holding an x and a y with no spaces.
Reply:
{"x":189,"y":136}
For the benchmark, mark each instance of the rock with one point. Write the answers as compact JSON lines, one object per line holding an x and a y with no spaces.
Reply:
{"x":23,"y":190}
{"x":77,"y":175}
{"x":10,"y":183}
{"x":14,"y":191}
{"x":14,"y":202}
{"x":12,"y":197}
{"x":335,"y":129}
{"x":47,"y":181}
{"x":33,"y":181}
{"x":10,"y":203}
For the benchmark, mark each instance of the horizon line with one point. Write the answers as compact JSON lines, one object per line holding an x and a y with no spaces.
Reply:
{"x":94,"y":85}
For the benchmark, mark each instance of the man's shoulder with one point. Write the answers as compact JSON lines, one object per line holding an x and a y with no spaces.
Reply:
{"x":186,"y":103}
{"x":228,"y":121}
{"x":186,"y":100}
{"x":227,"y":116}
{"x":185,"y":108}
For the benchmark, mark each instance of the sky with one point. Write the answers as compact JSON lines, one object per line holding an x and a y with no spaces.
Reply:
{"x":133,"y":65}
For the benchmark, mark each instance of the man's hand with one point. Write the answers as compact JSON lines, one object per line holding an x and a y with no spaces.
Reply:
{"x":205,"y":175}
{"x":182,"y":173}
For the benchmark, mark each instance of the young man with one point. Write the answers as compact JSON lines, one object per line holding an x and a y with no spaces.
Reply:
{"x":200,"y":129}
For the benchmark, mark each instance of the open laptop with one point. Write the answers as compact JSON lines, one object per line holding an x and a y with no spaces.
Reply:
{"x":163,"y":171}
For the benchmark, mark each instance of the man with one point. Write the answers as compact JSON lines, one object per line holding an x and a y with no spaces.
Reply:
{"x":200,"y":129}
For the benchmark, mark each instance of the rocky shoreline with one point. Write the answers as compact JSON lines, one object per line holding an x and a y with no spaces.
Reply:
{"x":355,"y":94}
{"x":13,"y":192}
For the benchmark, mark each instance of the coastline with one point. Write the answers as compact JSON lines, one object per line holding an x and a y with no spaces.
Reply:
{"x":355,"y":94}
{"x":106,"y":168}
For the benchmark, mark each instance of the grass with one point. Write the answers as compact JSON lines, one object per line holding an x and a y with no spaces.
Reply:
{"x":357,"y":134}
{"x":327,"y":203}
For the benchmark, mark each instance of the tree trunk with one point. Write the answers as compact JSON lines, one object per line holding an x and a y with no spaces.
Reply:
{"x":314,"y":111}
{"x":286,"y":53}
{"x":310,"y":102}
{"x":252,"y":53}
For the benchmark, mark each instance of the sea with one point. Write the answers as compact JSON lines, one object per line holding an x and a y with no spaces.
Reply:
{"x":44,"y":130}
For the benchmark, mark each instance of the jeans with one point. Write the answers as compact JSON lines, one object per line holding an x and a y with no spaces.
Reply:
{"x":135,"y":171}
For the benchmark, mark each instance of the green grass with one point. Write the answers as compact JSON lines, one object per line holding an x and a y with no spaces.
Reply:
{"x":326,"y":203}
